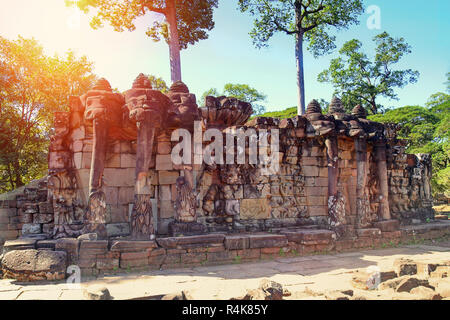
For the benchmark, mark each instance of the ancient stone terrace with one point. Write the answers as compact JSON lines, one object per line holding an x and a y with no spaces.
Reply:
{"x":115,"y":197}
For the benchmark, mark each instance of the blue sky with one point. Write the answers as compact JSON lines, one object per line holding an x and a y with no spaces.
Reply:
{"x":229,"y":56}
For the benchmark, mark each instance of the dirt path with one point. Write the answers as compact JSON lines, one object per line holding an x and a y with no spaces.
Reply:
{"x":308,"y":277}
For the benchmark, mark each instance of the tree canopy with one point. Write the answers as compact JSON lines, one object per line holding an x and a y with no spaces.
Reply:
{"x":428,"y":130}
{"x":361,"y":81}
{"x":158,"y":83}
{"x":32,"y":87}
{"x":242,"y":92}
{"x":187,"y":21}
{"x":307,"y":20}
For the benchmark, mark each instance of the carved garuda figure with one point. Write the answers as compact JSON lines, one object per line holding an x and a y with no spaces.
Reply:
{"x":147,"y":108}
{"x":325,"y":127}
{"x":103,"y":109}
{"x":185,"y":202}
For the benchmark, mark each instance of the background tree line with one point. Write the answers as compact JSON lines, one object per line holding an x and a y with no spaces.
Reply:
{"x":32,"y":87}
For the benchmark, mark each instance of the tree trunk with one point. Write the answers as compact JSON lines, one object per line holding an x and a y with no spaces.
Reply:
{"x":300,"y":73}
{"x":373,"y":106}
{"x":174,"y":42}
{"x":16,"y":167}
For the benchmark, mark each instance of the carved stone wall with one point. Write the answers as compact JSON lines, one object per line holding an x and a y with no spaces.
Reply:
{"x":336,"y":171}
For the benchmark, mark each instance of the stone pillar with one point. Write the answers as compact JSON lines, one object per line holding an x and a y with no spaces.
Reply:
{"x":102,"y":110}
{"x":362,"y":199}
{"x":142,"y":226}
{"x":380,"y":158}
{"x":148,"y":109}
{"x":336,"y":202}
{"x":62,"y":183}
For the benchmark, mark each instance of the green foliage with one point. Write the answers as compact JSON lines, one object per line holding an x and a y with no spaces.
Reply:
{"x":313,"y":19}
{"x":158,"y":84}
{"x":194,"y":17}
{"x":242,"y":92}
{"x":448,"y":82}
{"x":288,"y":113}
{"x":361,"y":80}
{"x":427,"y":129}
{"x":211,"y":92}
{"x":32,"y":87}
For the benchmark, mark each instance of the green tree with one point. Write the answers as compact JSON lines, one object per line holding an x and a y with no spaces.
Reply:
{"x":242,"y":92}
{"x":186,"y":21}
{"x":211,"y":92}
{"x":32,"y":88}
{"x":427,"y":130}
{"x":448,"y":82}
{"x":360,"y":80}
{"x":307,"y":20}
{"x":158,"y":84}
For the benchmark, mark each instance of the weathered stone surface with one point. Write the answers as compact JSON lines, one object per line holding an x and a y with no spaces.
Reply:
{"x":71,"y":247}
{"x":425,"y":293}
{"x":440,"y":272}
{"x":255,"y":209}
{"x":19,"y":244}
{"x":387,"y":225}
{"x":310,"y":236}
{"x":178,"y":229}
{"x":267,"y":290}
{"x":267,"y":240}
{"x":443,"y":288}
{"x":88,"y":237}
{"x":117,"y":229}
{"x":339,"y":295}
{"x":237,"y":242}
{"x":94,"y":244}
{"x":97,"y":293}
{"x":409,"y":283}
{"x":46,"y":244}
{"x":405,"y":267}
{"x":370,"y":280}
{"x":132,"y":246}
{"x":34,"y":265}
{"x":369,"y":233}
{"x":185,"y":242}
{"x":31,"y":228}
{"x":273,"y":290}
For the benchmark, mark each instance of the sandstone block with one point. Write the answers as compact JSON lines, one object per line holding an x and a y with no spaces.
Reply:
{"x":126,"y":195}
{"x":71,"y":247}
{"x":118,"y":229}
{"x":34,"y":265}
{"x":119,"y":177}
{"x":128,"y":160}
{"x":387,"y":225}
{"x":237,"y":242}
{"x":369,"y":233}
{"x":311,"y":171}
{"x":132,"y":246}
{"x":267,"y":240}
{"x":187,"y":242}
{"x":168,"y":177}
{"x":19,"y":244}
{"x":310,"y":236}
{"x":31,"y":228}
{"x":112,"y":160}
{"x":404,"y":266}
{"x":255,"y":209}
{"x":164,"y":162}
{"x":166,"y":209}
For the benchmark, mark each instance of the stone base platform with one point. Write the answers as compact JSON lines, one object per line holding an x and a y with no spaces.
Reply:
{"x":99,"y":257}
